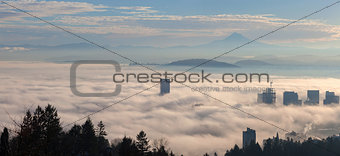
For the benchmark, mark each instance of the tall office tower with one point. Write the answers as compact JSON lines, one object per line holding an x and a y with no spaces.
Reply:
{"x":248,"y":137}
{"x":331,"y":98}
{"x":165,"y":86}
{"x":312,"y":97}
{"x":291,"y":98}
{"x":268,"y":96}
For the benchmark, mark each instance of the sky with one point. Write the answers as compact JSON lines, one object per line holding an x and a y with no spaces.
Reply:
{"x":159,"y":23}
{"x":163,"y":23}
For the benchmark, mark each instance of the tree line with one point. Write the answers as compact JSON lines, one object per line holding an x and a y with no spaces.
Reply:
{"x":41,"y":134}
{"x":288,"y":147}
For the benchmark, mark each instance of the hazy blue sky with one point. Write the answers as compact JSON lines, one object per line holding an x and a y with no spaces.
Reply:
{"x":168,"y":23}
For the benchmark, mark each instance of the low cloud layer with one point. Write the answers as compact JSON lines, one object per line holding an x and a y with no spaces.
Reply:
{"x":193,"y":123}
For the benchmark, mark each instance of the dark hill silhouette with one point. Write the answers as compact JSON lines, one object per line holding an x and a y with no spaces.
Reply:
{"x":245,"y":63}
{"x":195,"y":62}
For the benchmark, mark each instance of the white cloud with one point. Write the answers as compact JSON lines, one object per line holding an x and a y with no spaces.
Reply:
{"x":13,"y":49}
{"x":137,"y":10}
{"x":190,"y":130}
{"x":147,"y":21}
{"x":210,"y":25}
{"x":50,"y":8}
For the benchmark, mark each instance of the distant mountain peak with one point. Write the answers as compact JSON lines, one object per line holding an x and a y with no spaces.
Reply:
{"x":232,"y":40}
{"x":236,"y":37}
{"x":236,"y":34}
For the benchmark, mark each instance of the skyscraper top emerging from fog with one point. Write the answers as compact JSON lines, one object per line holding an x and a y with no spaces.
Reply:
{"x":268,"y":96}
{"x":331,"y":98}
{"x":312,"y":97}
{"x":291,"y":98}
{"x":249,"y":136}
{"x":165,"y":86}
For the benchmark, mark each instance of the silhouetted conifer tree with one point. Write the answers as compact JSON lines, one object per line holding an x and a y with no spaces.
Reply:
{"x":142,"y":143}
{"x":72,"y":141}
{"x":161,"y":151}
{"x":39,"y":133}
{"x":101,"y":129}
{"x":88,"y":138}
{"x":236,"y":151}
{"x":253,"y":149}
{"x":4,"y":143}
{"x":102,"y":143}
{"x":127,"y":147}
{"x":51,"y":131}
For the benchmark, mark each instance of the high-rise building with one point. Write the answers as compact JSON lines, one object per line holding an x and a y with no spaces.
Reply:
{"x":249,"y":136}
{"x":165,"y":86}
{"x":331,"y":98}
{"x":291,"y":98}
{"x":312,"y":97}
{"x":268,"y":96}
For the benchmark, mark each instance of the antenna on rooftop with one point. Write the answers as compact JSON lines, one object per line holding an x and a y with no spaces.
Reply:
{"x":271,"y":84}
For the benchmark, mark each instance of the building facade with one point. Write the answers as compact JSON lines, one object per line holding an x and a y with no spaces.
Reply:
{"x":249,"y":136}
{"x":268,"y":96}
{"x":331,"y":98}
{"x":165,"y":86}
{"x":291,"y":98}
{"x":312,"y":97}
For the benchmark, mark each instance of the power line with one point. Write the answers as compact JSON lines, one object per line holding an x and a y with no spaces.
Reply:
{"x":262,"y":36}
{"x":256,"y":117}
{"x":111,"y":51}
{"x":78,"y":36}
{"x":102,"y":47}
{"x":93,"y":43}
{"x":124,"y":99}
